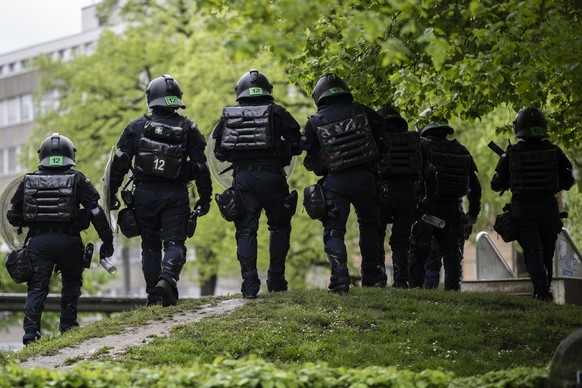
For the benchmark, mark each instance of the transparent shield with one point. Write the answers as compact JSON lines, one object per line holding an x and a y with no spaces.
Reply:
{"x":9,"y":233}
{"x":105,"y":190}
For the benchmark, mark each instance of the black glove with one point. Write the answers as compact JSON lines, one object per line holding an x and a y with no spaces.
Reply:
{"x":106,"y":249}
{"x":114,"y":203}
{"x":203,"y":206}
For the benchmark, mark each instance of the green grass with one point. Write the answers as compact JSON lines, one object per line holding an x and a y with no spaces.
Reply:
{"x":464,"y":333}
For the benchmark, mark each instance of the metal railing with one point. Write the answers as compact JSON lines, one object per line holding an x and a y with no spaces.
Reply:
{"x":87,"y":303}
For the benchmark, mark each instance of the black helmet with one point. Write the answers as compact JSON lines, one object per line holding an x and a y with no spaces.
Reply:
{"x":530,"y":122}
{"x":393,"y":118}
{"x":164,"y":91}
{"x":56,"y":151}
{"x":429,"y":121}
{"x":329,"y":85}
{"x":253,"y":84}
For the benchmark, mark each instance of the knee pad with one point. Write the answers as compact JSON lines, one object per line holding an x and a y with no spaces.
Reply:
{"x":245,"y":233}
{"x":331,"y":233}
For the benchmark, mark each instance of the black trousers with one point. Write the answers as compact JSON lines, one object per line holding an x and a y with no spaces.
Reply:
{"x":45,"y":252}
{"x":539,"y":223}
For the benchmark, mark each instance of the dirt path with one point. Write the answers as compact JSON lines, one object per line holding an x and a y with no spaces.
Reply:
{"x":116,"y":344}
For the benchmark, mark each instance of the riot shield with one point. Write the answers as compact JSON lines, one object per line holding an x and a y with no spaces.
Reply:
{"x":221,"y":170}
{"x":105,"y":191}
{"x":566,"y":367}
{"x":9,"y":233}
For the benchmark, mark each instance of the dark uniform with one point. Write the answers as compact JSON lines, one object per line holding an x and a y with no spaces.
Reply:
{"x":259,"y":138}
{"x":449,"y":174}
{"x":535,"y":170}
{"x":399,"y":180}
{"x":168,"y":150}
{"x":343,"y":141}
{"x":48,"y":201}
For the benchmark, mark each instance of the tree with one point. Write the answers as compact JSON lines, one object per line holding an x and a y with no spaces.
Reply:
{"x":467,"y":56}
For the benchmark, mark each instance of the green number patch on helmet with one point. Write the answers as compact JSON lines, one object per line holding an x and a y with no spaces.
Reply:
{"x":336,"y":90}
{"x":538,"y":131}
{"x":56,"y":161}
{"x":255,"y":91}
{"x":172,"y":100}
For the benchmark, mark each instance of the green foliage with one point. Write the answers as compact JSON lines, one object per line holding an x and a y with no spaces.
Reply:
{"x":253,"y":372}
{"x":470,"y":56}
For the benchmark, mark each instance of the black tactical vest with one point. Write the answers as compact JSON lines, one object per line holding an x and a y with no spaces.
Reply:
{"x":161,"y":150}
{"x":347,"y":142}
{"x":50,"y":197}
{"x":453,"y":166}
{"x":405,"y":157}
{"x":533,"y":172}
{"x":247,"y":127}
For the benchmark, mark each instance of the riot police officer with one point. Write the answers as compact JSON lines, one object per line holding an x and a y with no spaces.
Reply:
{"x":259,"y":138}
{"x":47,"y":201}
{"x":168,"y":151}
{"x":343,"y":140}
{"x":449,"y":174}
{"x":535,"y":170}
{"x":399,"y":175}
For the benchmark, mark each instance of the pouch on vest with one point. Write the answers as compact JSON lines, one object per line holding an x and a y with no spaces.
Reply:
{"x":18,"y":265}
{"x":314,"y":201}
{"x":231,"y":204}
{"x":505,"y":226}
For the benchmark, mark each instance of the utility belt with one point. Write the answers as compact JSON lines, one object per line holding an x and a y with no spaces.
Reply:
{"x":275,"y":169}
{"x":65,"y":231}
{"x":161,"y":183}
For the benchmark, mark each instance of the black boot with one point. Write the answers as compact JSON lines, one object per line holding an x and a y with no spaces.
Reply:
{"x":339,"y":282}
{"x":400,"y":265}
{"x":31,"y":327}
{"x":172,"y":264}
{"x":251,"y":283}
{"x":168,"y":290}
{"x":276,"y":275}
{"x":30,"y":336}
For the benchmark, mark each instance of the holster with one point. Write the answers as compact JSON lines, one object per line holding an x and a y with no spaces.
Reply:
{"x":421,"y":234}
{"x":231,"y":204}
{"x":18,"y":265}
{"x":126,"y":217}
{"x":505,"y":226}
{"x":314,"y":201}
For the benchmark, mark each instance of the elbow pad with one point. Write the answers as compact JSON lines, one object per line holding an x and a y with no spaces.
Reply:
{"x":99,"y":221}
{"x":199,"y":169}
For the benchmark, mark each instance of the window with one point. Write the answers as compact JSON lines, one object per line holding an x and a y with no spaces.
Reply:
{"x":9,"y":161}
{"x":2,"y":112}
{"x":12,"y":163}
{"x":26,"y":107}
{"x":12,"y":110}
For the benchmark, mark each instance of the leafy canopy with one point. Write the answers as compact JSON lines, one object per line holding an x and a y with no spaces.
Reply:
{"x":467,"y":56}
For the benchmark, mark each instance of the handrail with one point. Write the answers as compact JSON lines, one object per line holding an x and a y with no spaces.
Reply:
{"x":87,"y":303}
